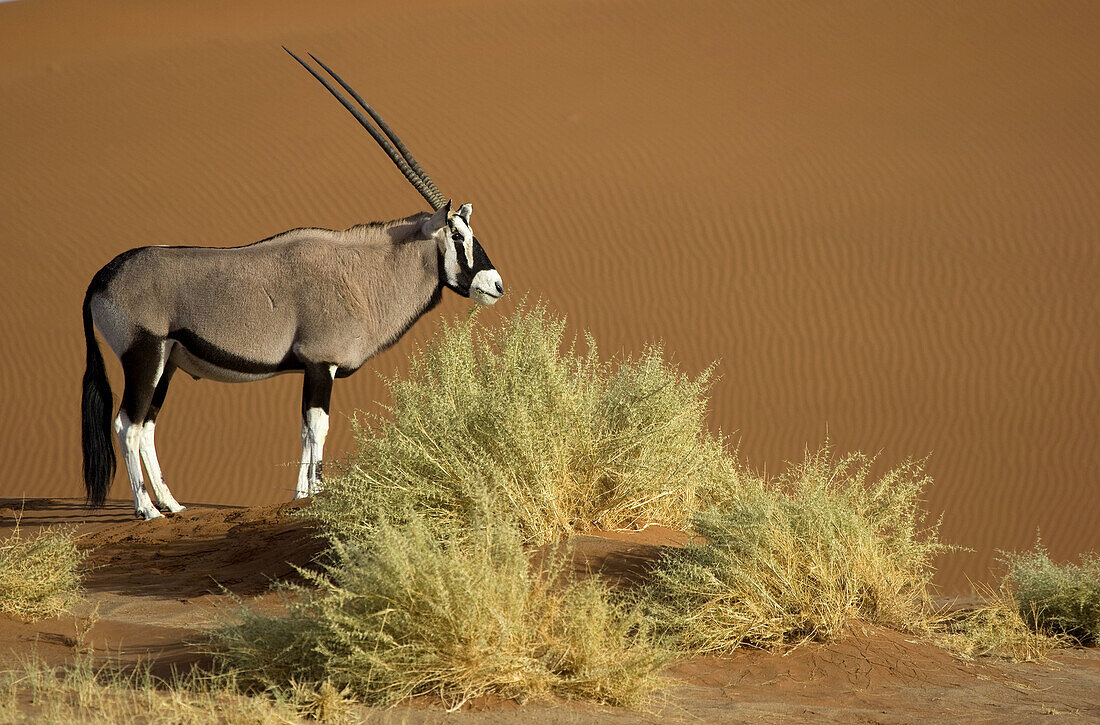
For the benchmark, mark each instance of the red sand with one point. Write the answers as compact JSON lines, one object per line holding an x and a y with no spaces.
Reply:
{"x":157,"y":586}
{"x":881,"y":218}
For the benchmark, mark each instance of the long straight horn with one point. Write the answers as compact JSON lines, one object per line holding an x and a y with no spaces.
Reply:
{"x":393,"y":137}
{"x":431,"y":194}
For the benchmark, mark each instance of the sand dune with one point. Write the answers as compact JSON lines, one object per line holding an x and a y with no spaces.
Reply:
{"x":882,"y":220}
{"x":153,"y":590}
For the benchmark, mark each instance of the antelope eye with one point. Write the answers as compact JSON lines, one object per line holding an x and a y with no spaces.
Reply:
{"x":457,"y":238}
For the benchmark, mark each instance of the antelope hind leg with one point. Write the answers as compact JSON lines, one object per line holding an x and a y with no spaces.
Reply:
{"x":143,"y":364}
{"x":129,"y":440}
{"x":164,"y":499}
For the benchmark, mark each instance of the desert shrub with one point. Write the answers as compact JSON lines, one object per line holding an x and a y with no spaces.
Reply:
{"x":1060,"y":599}
{"x":83,"y":692}
{"x":557,"y":439}
{"x":798,"y":557}
{"x":411,"y":611}
{"x":996,"y":628}
{"x":39,"y":574}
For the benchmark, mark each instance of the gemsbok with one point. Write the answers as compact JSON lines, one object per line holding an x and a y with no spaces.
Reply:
{"x":315,"y":301}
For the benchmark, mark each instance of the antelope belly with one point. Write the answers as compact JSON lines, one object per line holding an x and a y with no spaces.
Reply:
{"x":223,"y":371}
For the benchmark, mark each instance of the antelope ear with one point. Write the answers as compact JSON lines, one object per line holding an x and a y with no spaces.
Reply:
{"x":437,"y":221}
{"x":464,"y":212}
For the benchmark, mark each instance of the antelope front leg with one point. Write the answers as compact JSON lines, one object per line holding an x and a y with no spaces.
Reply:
{"x":314,"y":430}
{"x":316,"y":395}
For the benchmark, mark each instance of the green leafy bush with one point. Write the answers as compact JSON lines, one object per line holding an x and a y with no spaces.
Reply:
{"x":1060,"y":599}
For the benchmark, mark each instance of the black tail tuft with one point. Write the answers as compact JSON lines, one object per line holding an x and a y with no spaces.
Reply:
{"x":95,"y":415}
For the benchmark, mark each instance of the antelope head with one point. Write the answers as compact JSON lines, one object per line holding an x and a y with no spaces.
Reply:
{"x":463,"y":264}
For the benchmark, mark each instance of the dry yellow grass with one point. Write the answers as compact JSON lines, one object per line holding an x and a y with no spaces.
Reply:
{"x":39,"y":573}
{"x":556,"y":439}
{"x":798,"y":557}
{"x":994,"y":629}
{"x":85,"y":693}
{"x":409,"y":611}
{"x":499,"y":438}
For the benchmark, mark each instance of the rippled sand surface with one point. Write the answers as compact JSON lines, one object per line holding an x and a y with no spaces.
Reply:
{"x":881,"y":219}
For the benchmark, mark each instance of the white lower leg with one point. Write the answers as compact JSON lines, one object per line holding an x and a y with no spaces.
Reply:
{"x":161,"y":494}
{"x":129,"y":439}
{"x":317,"y":420}
{"x":302,"y":489}
{"x":314,"y":432}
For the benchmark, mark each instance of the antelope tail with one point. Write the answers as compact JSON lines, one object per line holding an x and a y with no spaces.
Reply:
{"x":95,"y":419}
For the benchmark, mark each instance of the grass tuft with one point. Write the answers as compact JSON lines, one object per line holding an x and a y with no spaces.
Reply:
{"x":556,"y":439}
{"x":83,"y":692}
{"x":39,"y":574}
{"x":797,"y":558}
{"x":409,"y":611}
{"x":1057,"y":599}
{"x":994,"y":629}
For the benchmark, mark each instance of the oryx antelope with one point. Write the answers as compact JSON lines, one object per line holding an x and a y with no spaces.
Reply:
{"x":317,"y":301}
